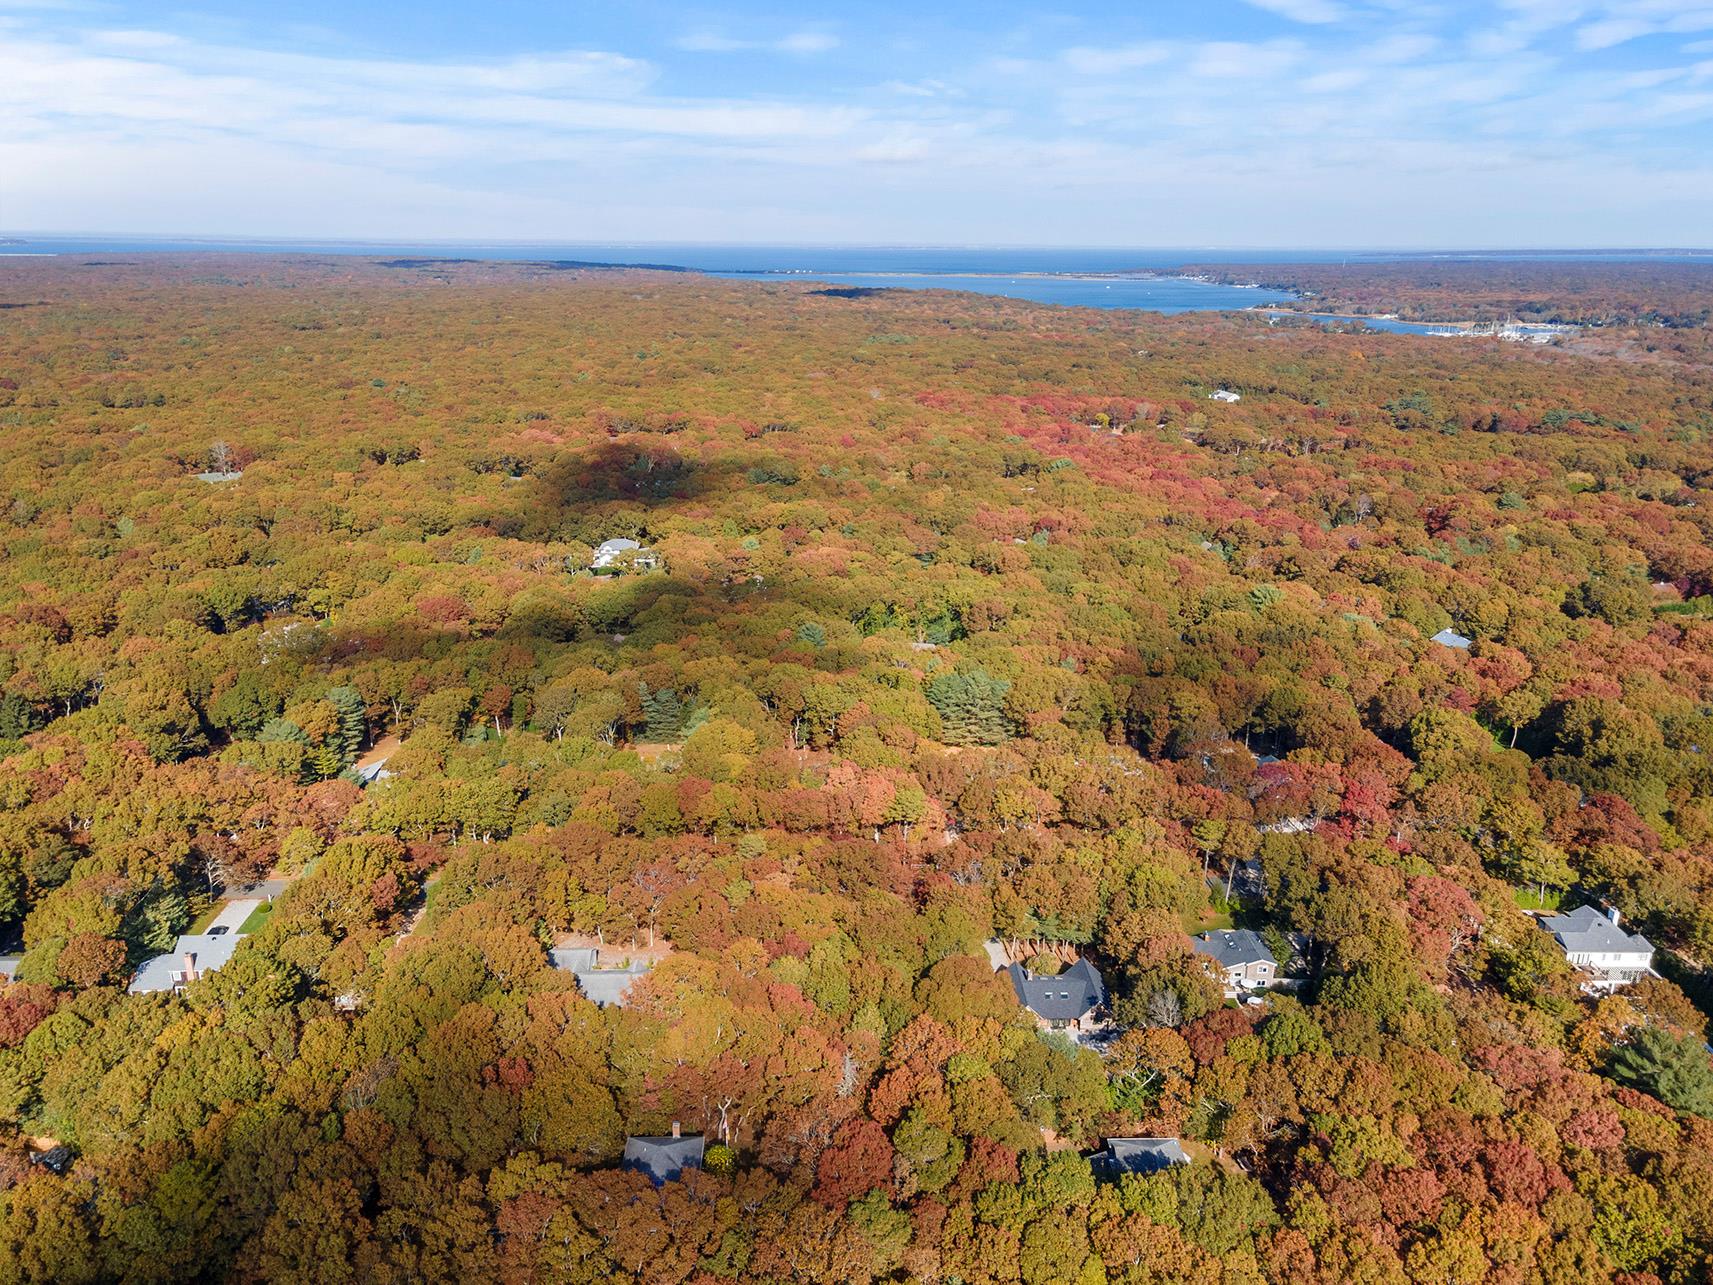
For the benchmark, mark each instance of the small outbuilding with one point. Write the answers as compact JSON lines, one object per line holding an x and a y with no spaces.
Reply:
{"x":1224,"y":395}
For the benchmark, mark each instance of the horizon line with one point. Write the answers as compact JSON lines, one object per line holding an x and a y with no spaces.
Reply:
{"x":383,"y":243}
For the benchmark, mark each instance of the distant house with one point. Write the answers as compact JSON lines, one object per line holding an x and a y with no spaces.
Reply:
{"x":1288,"y":825}
{"x":1249,"y":878}
{"x":663,"y":1160}
{"x":1139,"y":1156}
{"x":227,"y":475}
{"x":368,"y":773}
{"x":1241,"y":957}
{"x":1451,"y":638}
{"x":56,"y":1159}
{"x":605,"y":986}
{"x":614,"y":556}
{"x":9,"y":966}
{"x":1064,"y":1001}
{"x":194,"y":956}
{"x":1596,"y":944}
{"x":1224,"y":395}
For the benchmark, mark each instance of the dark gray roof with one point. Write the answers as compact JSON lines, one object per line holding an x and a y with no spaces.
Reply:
{"x":1140,"y":1155}
{"x":56,"y":1159}
{"x":1586,"y":929}
{"x":663,"y":1159}
{"x":1234,"y":947}
{"x":1063,"y":998}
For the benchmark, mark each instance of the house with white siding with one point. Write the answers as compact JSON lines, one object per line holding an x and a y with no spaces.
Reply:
{"x":1596,"y":944}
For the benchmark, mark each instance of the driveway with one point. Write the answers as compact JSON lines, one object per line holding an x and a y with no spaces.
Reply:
{"x":232,"y":915}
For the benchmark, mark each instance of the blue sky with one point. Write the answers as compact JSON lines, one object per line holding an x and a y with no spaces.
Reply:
{"x":1290,"y":123}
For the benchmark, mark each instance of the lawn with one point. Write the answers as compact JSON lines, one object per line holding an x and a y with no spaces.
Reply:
{"x":1206,"y":919}
{"x":1530,"y":899}
{"x":257,"y":918}
{"x":201,"y":922}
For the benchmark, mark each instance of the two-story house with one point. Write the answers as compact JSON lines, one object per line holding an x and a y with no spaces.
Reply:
{"x":1596,"y":944}
{"x":1240,"y":957}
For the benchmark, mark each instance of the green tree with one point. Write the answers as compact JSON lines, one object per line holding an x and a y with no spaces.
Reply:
{"x":971,"y":705}
{"x":1674,"y":1068}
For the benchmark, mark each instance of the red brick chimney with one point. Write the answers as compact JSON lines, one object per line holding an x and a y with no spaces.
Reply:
{"x":189,"y":966}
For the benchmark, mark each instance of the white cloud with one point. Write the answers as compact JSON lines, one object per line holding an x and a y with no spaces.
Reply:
{"x":1306,"y":11}
{"x":1400,"y":126}
{"x":1090,"y":61}
{"x":1603,"y":24}
{"x":797,"y":42}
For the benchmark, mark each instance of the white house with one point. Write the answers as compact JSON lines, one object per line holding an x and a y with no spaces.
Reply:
{"x":1595,"y":944}
{"x":621,"y":554}
{"x":1451,"y":638}
{"x":1224,"y":395}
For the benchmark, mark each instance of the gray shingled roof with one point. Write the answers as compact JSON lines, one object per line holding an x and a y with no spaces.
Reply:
{"x":602,"y":985}
{"x":1063,"y":998}
{"x":1586,"y":929}
{"x":610,"y":985}
{"x":1141,"y":1155}
{"x":664,"y":1159}
{"x":608,"y":552}
{"x":1234,"y":947}
{"x":211,"y":952}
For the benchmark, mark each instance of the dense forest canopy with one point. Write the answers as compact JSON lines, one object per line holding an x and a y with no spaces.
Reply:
{"x":949,"y":621}
{"x":1672,"y":291}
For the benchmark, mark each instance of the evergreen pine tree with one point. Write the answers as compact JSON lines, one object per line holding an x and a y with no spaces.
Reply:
{"x":971,"y":704}
{"x":664,"y":713}
{"x":353,"y":721}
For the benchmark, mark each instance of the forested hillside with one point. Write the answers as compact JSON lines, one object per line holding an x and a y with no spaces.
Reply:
{"x":952,"y":620}
{"x":1673,"y":292}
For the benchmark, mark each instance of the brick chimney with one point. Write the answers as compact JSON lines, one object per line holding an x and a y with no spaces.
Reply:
{"x":190,"y":966}
{"x":676,"y":1131}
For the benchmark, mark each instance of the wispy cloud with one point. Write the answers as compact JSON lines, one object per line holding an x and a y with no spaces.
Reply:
{"x":797,"y":42}
{"x":1308,"y":11}
{"x":1365,"y":121}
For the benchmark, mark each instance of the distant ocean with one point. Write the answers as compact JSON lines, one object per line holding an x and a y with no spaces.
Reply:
{"x":1075,"y":277}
